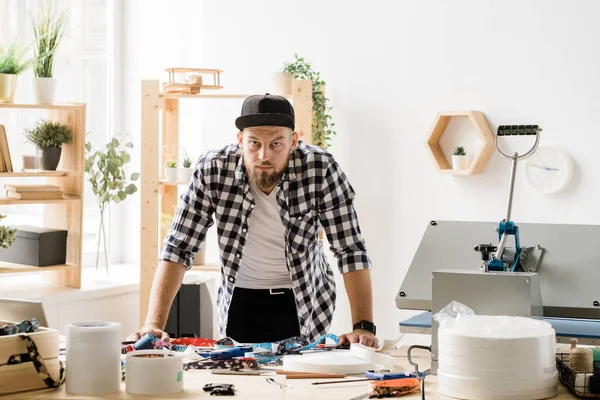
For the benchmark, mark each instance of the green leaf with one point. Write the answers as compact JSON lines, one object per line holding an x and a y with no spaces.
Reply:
{"x":125,"y":157}
{"x":131,"y":189}
{"x":88,"y":146}
{"x":135,"y":176}
{"x":129,"y":144}
{"x":115,"y":142}
{"x":116,"y":198}
{"x":122,"y":195}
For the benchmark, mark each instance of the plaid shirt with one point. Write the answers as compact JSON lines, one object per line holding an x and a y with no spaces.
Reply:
{"x":313,"y":192}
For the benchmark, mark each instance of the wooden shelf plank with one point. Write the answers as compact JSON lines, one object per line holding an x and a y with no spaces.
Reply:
{"x":58,"y":106}
{"x":6,"y":267}
{"x":208,"y":96}
{"x":66,"y":199}
{"x":40,"y":174}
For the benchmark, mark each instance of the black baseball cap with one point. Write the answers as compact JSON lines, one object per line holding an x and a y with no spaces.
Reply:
{"x":266,"y":110}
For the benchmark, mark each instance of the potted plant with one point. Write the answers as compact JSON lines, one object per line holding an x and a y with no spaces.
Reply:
{"x":459,"y":158}
{"x":49,"y":137}
{"x":12,"y":63}
{"x":48,"y":32}
{"x":186,"y":170}
{"x":171,"y":170}
{"x":321,"y":121}
{"x":7,"y":235}
{"x":106,"y":173}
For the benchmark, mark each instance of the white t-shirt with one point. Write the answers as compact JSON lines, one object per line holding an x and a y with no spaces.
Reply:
{"x":263,"y":264}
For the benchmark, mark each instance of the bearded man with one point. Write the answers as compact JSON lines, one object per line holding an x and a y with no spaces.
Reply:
{"x":270,"y":195}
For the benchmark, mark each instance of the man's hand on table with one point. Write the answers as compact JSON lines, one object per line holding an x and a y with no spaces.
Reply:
{"x":359,"y":336}
{"x":155,"y":330}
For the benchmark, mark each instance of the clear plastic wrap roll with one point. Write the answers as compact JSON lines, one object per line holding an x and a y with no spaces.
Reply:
{"x":495,"y":357}
{"x":93,"y":358}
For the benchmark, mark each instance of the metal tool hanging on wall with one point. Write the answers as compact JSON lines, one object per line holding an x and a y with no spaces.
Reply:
{"x":514,"y":259}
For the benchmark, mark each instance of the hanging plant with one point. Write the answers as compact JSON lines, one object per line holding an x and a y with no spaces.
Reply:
{"x":322,"y":124}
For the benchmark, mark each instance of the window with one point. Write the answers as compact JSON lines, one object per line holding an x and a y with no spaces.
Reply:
{"x":85,"y":70}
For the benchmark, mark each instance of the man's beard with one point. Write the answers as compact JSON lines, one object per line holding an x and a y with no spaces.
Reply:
{"x":264,"y":179}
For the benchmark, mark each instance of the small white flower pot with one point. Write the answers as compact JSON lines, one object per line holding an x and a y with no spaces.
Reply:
{"x":44,"y":90}
{"x":459,"y":162}
{"x":282,"y":83}
{"x":171,"y":174}
{"x":185,"y":174}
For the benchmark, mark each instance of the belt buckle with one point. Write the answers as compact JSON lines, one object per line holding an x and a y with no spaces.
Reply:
{"x":271,"y":292}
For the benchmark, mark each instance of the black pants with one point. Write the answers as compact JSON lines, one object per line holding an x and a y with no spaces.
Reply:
{"x":257,"y":315}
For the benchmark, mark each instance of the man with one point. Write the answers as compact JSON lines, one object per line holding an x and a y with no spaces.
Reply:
{"x":270,"y":194}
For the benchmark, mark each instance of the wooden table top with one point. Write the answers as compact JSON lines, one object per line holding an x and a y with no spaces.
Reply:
{"x":256,"y":387}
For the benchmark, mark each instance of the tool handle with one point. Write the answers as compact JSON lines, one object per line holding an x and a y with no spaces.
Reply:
{"x":518,"y":130}
{"x":383,"y":376}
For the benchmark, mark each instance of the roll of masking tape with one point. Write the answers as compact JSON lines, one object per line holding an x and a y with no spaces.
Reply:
{"x":93,"y":358}
{"x":153,"y":372}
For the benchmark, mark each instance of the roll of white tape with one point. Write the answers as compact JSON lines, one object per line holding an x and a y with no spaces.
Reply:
{"x":154,"y":372}
{"x":368,"y":353}
{"x":93,"y":356}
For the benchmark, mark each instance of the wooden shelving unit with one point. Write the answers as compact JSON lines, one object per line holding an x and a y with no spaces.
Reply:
{"x":160,"y":196}
{"x":66,"y":213}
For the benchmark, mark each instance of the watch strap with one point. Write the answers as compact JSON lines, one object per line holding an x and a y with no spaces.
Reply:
{"x":365,"y":326}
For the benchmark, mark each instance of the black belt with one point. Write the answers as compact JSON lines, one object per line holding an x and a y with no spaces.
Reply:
{"x":264,"y":292}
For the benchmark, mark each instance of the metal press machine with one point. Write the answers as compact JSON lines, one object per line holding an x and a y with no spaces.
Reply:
{"x":556,"y":277}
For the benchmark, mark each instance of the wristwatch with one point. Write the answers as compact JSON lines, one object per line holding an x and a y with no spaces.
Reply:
{"x":365,"y":326}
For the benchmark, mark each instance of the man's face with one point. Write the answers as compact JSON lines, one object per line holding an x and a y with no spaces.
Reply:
{"x":266,"y":153}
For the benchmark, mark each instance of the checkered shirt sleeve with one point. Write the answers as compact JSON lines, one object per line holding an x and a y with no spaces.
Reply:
{"x":340,"y":222}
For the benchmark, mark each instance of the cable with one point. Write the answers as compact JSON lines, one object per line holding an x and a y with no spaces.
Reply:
{"x":420,"y":375}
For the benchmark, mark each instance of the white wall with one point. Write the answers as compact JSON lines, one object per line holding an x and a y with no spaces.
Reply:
{"x":389,"y":67}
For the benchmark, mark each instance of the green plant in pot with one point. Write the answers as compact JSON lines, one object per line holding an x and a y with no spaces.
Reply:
{"x":110,"y":183}
{"x":459,"y":158}
{"x":322,"y":124}
{"x":13,"y":61}
{"x":48,"y":32}
{"x":49,"y":136}
{"x":171,"y":170}
{"x":185,"y":171}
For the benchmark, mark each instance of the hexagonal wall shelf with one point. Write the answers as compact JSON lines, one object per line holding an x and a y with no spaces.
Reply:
{"x":483,"y":130}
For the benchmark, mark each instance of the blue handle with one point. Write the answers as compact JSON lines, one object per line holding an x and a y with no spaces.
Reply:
{"x":384,"y":376}
{"x":226,"y":354}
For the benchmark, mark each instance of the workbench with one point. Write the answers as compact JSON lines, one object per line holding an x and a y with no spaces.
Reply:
{"x":256,"y":387}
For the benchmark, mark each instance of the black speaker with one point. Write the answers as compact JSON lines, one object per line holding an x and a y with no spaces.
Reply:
{"x":191,"y":313}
